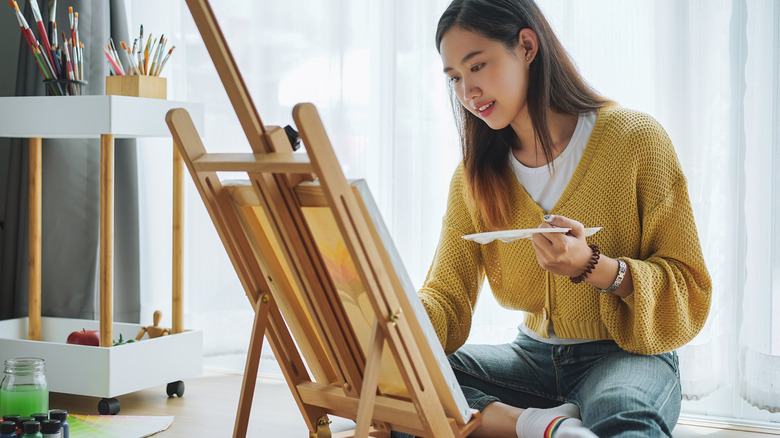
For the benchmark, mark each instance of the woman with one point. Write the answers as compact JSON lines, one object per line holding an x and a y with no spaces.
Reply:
{"x":604,"y":314}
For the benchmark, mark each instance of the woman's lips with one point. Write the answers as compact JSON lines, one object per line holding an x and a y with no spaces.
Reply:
{"x":486,"y":108}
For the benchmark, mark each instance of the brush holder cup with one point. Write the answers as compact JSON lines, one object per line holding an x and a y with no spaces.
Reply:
{"x":65,"y":87}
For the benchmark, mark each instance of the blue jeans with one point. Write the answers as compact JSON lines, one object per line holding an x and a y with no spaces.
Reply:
{"x":619,"y":394}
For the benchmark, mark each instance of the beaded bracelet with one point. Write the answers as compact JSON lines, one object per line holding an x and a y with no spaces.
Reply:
{"x":594,"y":258}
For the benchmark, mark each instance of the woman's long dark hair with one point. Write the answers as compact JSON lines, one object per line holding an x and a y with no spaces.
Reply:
{"x":554,"y":83}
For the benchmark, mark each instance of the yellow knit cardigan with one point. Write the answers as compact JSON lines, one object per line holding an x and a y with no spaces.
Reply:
{"x":630,"y":182}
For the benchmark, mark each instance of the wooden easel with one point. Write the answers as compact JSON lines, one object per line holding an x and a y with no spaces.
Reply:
{"x":268,"y":232}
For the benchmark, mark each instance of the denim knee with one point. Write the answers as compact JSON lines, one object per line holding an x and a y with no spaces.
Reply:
{"x":632,"y":396}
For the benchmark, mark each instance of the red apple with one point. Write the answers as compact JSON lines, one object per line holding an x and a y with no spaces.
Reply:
{"x":84,"y":337}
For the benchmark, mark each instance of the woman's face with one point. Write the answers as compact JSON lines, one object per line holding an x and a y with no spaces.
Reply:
{"x":489,"y":80}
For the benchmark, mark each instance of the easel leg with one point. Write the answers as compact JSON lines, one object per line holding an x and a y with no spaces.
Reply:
{"x":370,"y":379}
{"x":262,"y":308}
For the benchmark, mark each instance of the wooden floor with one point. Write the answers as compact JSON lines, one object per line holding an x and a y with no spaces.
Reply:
{"x":208,"y":408}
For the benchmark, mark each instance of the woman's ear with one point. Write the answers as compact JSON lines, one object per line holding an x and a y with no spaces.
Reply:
{"x":528,"y":44}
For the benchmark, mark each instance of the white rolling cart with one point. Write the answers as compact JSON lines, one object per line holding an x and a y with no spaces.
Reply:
{"x":104,"y":371}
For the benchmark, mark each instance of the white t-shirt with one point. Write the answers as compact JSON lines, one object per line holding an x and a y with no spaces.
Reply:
{"x":545,"y":187}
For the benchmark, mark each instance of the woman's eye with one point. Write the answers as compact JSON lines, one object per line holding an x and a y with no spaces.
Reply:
{"x":454,"y":79}
{"x":477,"y":67}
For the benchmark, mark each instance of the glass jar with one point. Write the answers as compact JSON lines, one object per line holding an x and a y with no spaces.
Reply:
{"x":24,"y":390}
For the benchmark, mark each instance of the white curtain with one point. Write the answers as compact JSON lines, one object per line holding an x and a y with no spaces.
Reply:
{"x":708,"y":70}
{"x":759,"y":343}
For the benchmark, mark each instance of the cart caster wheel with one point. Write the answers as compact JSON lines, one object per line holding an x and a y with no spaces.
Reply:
{"x":108,"y":406}
{"x":175,"y":388}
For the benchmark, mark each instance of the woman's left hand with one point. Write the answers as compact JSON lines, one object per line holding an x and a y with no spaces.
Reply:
{"x":562,"y":253}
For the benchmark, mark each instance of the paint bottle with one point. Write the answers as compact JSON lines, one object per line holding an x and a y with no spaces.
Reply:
{"x":51,"y":429}
{"x":39,"y":417}
{"x":62,"y":415}
{"x":15,"y":419}
{"x":31,"y":429}
{"x":8,"y":429}
{"x":20,"y":424}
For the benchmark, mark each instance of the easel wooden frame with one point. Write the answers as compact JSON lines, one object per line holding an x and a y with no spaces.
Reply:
{"x":279,"y":259}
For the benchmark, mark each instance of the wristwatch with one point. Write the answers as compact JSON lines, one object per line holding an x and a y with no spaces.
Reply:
{"x":619,"y":279}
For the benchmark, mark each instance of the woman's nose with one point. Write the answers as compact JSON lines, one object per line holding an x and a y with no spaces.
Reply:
{"x":470,"y":90}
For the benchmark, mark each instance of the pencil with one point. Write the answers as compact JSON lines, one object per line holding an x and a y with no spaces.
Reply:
{"x":48,"y":71}
{"x":41,"y":64}
{"x":45,"y":60}
{"x":54,"y":91}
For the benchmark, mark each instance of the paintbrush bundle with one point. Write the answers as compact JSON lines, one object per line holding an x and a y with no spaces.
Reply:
{"x":62,"y":65}
{"x":142,"y":58}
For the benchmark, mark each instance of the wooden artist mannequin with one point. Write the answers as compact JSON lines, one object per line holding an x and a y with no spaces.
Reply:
{"x":154,"y":330}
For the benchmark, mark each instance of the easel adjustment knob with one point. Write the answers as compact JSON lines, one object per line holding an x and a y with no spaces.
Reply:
{"x":323,"y":428}
{"x":292,"y":135}
{"x":395,"y":316}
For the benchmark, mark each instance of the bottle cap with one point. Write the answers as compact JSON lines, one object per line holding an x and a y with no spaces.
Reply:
{"x":22,"y":420}
{"x":31,"y":427}
{"x":59,"y":414}
{"x":7,"y":427}
{"x":50,"y":426}
{"x":14,"y":418}
{"x":39,"y":417}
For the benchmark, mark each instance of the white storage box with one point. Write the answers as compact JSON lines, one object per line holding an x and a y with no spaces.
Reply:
{"x":104,"y":371}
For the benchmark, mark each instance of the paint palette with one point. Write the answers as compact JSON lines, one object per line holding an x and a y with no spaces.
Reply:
{"x":117,"y":426}
{"x":512,"y":235}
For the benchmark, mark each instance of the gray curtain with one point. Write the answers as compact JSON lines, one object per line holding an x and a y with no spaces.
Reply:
{"x":70,"y":227}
